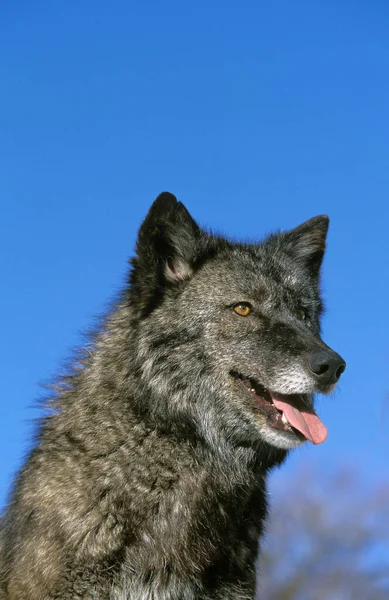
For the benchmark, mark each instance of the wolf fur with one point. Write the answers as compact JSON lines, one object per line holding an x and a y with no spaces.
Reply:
{"x":148,"y":477}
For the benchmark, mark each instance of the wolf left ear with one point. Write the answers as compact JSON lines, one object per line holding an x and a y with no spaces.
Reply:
{"x":307,"y":242}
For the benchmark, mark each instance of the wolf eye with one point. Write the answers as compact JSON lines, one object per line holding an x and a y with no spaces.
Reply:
{"x":303,"y":314}
{"x":242,"y":308}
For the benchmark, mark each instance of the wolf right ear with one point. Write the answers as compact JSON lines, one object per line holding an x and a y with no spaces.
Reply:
{"x":167,"y":238}
{"x":166,"y":247}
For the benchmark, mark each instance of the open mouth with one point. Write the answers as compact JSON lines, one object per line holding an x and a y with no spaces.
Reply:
{"x":288,"y":413}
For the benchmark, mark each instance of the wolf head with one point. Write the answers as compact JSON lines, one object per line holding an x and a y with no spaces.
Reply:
{"x":228,"y":334}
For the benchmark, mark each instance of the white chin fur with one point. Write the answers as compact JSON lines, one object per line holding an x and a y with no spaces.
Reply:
{"x":280,"y":439}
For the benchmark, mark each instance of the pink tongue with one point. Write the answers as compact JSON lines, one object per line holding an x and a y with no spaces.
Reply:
{"x":303,"y":419}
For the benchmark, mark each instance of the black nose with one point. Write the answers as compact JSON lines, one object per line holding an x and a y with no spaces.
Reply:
{"x":326,"y":365}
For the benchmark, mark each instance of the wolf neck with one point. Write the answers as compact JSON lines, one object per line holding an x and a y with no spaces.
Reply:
{"x":178,"y":496}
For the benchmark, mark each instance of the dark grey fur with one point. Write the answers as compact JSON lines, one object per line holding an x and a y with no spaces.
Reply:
{"x":147,"y":481}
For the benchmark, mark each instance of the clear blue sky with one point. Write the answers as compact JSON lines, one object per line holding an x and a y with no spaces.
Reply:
{"x":257,"y":115}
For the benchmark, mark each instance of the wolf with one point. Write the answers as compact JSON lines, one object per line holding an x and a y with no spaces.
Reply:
{"x":148,"y":477}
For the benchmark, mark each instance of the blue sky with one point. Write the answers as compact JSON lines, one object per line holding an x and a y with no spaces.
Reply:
{"x":256,"y":115}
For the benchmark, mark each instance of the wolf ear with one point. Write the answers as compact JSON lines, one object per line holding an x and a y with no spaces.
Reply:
{"x":167,"y":238}
{"x":166,"y":250}
{"x":307,"y":242}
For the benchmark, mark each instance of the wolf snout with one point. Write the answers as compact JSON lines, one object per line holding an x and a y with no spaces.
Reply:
{"x":326,"y":366}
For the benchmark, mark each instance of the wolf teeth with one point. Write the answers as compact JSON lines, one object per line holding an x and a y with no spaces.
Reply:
{"x":284,"y":419}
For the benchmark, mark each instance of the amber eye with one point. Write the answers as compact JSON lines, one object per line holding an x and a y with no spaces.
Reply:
{"x":302,"y":314}
{"x":243,"y":309}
